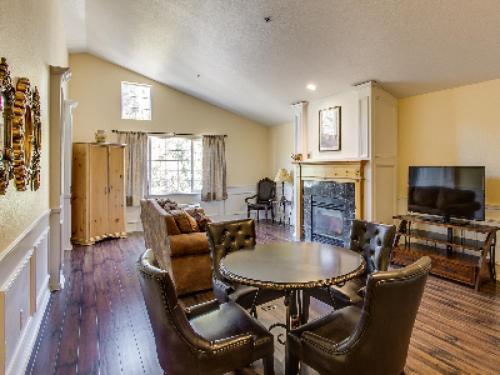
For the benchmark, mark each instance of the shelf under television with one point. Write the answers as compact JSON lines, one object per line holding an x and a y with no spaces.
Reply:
{"x":469,"y":226}
{"x":457,"y":257}
{"x":458,"y":243}
{"x":460,"y":267}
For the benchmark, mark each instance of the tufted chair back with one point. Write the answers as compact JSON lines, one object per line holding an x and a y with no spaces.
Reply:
{"x":374,"y":241}
{"x":384,"y":329}
{"x":175,"y":339}
{"x":266,"y":190}
{"x":229,"y":236}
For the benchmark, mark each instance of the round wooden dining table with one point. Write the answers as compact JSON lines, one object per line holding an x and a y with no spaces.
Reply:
{"x":292,"y":267}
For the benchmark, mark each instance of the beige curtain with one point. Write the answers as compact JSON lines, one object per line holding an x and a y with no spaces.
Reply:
{"x":214,"y":168}
{"x":136,"y":163}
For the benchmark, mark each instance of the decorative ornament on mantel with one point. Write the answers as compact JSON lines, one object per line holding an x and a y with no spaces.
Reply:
{"x":296,"y":157}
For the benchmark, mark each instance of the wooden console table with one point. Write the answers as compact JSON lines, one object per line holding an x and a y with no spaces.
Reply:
{"x":454,"y":255}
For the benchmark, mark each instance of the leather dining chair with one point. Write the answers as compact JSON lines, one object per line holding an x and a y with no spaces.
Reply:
{"x":206,"y":339}
{"x":226,"y":237}
{"x":375,"y":242}
{"x":370,"y":340}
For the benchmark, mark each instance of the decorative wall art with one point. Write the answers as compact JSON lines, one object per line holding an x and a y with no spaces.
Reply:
{"x":329,"y":129}
{"x":26,"y":136}
{"x":7,"y":94}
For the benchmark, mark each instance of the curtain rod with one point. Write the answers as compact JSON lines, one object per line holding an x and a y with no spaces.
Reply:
{"x":172,"y":134}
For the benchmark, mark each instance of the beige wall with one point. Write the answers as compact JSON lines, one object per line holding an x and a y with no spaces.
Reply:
{"x":281,"y":147}
{"x":31,"y":38}
{"x":95,"y":85}
{"x":460,"y":126}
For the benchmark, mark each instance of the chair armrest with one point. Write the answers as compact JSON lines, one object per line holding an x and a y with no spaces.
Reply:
{"x":322,"y":343}
{"x":252,"y":197}
{"x":201,"y":308}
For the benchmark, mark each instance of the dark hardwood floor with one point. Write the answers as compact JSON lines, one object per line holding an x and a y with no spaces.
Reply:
{"x":98,"y":324}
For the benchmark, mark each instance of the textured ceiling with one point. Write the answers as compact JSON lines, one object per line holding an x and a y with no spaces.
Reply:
{"x":258,"y":69}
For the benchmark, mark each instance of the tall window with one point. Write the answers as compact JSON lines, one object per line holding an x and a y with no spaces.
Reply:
{"x":136,"y":101}
{"x":175,"y":165}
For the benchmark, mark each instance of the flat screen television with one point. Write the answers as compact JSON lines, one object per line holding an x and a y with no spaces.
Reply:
{"x":450,"y":192}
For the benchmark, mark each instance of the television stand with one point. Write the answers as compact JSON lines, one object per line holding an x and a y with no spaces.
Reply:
{"x":461,"y":251}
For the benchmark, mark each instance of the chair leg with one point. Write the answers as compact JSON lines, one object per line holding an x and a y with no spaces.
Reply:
{"x":306,"y":301}
{"x":265,"y":213}
{"x":291,"y":363}
{"x":248,"y":213}
{"x":258,"y":212}
{"x":268,"y":362}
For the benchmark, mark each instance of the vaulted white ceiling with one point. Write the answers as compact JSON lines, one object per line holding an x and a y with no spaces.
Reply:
{"x":224,"y":52}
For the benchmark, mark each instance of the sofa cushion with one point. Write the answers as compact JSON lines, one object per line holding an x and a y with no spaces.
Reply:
{"x":172,"y":228}
{"x":188,"y":244}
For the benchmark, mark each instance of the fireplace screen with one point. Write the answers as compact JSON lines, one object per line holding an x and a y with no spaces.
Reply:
{"x":328,"y":222}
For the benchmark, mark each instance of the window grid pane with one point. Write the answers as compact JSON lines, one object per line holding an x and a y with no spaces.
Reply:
{"x":136,"y":101}
{"x":175,"y":165}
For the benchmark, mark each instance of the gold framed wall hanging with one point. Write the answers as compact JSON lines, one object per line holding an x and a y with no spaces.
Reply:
{"x":23,"y":134}
{"x":37,"y":140}
{"x":7,"y":95}
{"x":330,"y":129}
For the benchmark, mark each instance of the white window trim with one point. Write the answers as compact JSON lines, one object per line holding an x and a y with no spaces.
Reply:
{"x":192,"y":193}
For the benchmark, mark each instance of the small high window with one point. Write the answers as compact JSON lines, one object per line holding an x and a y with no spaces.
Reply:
{"x":136,"y":101}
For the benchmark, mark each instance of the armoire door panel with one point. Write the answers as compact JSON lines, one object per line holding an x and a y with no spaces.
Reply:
{"x":116,"y":199}
{"x":80,"y":226}
{"x":98,"y":191}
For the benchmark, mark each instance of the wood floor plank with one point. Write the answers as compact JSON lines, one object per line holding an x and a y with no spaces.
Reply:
{"x":98,"y":324}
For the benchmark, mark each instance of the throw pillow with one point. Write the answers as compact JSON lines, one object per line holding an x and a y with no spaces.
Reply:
{"x":182,"y":219}
{"x":167,"y":204}
{"x":201,"y":218}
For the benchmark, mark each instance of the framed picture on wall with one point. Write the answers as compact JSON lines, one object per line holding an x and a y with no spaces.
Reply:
{"x":329,"y":129}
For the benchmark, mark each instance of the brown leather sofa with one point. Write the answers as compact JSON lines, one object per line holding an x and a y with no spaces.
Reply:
{"x":375,"y":242}
{"x":373,"y":340}
{"x":206,"y":339}
{"x":185,"y":256}
{"x":224,"y":238}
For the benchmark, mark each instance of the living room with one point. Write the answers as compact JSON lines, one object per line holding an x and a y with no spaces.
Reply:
{"x":342,"y":147}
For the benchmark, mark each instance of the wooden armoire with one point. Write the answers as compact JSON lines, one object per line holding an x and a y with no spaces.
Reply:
{"x":98,"y":192}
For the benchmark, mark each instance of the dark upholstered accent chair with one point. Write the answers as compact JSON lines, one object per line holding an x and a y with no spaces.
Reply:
{"x":209,"y":338}
{"x":264,"y":199}
{"x":224,"y":238}
{"x":375,"y":242}
{"x":370,"y":340}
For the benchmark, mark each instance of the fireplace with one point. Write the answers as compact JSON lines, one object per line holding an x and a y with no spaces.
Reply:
{"x":329,"y":207}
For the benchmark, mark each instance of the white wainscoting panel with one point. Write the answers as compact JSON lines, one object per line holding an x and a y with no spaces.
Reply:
{"x":24,"y":295}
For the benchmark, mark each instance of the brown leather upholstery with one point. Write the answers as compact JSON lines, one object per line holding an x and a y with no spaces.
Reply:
{"x":210,"y":338}
{"x":372,"y":340}
{"x":375,"y":242}
{"x":223,"y":238}
{"x":185,"y":256}
{"x":263,"y":200}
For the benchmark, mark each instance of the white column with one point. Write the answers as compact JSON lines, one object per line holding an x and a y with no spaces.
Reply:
{"x":59,"y":77}
{"x":69,"y":106}
{"x":300,"y":127}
